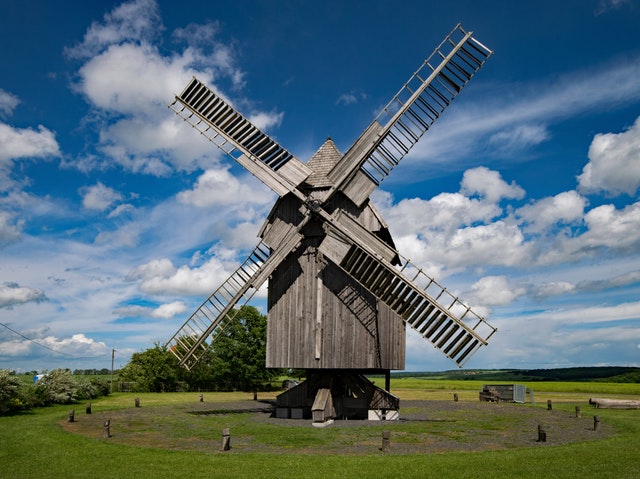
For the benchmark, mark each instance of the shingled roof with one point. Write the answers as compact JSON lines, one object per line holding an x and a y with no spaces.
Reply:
{"x":321,"y":164}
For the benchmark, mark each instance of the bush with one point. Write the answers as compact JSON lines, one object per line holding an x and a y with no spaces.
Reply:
{"x":9,"y":392}
{"x":57,"y":387}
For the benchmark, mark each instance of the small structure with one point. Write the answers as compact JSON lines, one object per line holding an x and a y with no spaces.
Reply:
{"x":504,"y":393}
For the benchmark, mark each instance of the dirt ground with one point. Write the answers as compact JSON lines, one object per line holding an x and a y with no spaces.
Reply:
{"x":424,"y":427}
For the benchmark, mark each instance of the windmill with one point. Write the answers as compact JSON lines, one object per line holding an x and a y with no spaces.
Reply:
{"x":339,"y":294}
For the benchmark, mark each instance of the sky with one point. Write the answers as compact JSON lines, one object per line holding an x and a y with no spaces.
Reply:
{"x":117,"y":220}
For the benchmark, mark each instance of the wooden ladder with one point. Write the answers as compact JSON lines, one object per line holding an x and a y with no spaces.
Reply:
{"x":188,"y":344}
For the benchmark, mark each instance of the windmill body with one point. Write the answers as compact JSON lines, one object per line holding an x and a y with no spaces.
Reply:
{"x":339,"y":294}
{"x":319,"y":317}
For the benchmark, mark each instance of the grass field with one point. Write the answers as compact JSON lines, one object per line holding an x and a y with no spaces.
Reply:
{"x":36,"y":444}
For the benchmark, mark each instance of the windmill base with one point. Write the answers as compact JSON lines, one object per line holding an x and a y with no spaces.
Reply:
{"x":337,"y":394}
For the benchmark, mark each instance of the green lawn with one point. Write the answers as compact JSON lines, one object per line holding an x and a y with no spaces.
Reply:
{"x":35,"y":445}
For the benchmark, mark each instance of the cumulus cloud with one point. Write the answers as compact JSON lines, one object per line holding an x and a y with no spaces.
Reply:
{"x":614,"y":163}
{"x":99,"y":197}
{"x":8,"y":102}
{"x":607,"y":228}
{"x":566,"y":207}
{"x":18,"y":143}
{"x":129,"y":82}
{"x":78,"y":345}
{"x":12,"y":294}
{"x":219,"y":187}
{"x":161,"y":277}
{"x":489,"y":184}
{"x":496,"y":291}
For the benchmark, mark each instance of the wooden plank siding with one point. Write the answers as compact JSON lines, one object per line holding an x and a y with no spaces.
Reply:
{"x":358,"y":331}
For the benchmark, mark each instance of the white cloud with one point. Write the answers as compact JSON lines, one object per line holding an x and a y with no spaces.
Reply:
{"x":18,"y":143}
{"x":99,"y":197}
{"x":566,"y":207}
{"x":517,"y":138}
{"x":9,"y":228}
{"x":489,"y":184}
{"x":496,"y":290}
{"x":614,"y":163}
{"x":8,"y":102}
{"x":131,"y":21}
{"x":219,"y":187}
{"x":12,"y":294}
{"x":164,"y":311}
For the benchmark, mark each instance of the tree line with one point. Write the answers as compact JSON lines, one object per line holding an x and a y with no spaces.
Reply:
{"x":234,"y":361}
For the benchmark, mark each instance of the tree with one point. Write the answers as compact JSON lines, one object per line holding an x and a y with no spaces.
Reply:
{"x":234,"y":361}
{"x":239,"y":352}
{"x":153,"y":370}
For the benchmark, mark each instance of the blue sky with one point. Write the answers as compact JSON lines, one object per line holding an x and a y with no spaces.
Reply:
{"x":117,"y":220}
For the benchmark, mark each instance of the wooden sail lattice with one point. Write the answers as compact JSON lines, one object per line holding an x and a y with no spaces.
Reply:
{"x":239,"y":138}
{"x":410,"y":113}
{"x":189,"y":342}
{"x":425,"y":305}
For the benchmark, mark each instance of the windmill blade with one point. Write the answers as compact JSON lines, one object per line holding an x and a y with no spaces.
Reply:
{"x":408,"y":115}
{"x":426,"y":306}
{"x":189,"y":343}
{"x":239,"y":138}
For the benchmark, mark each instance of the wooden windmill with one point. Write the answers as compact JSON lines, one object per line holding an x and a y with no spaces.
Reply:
{"x":339,"y":294}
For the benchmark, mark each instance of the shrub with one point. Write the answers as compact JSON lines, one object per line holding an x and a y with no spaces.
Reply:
{"x":57,"y":387}
{"x":9,"y":391}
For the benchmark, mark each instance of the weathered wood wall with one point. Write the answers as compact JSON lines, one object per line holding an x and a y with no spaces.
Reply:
{"x":321,"y":318}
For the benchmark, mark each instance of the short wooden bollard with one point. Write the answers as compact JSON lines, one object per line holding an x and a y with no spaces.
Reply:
{"x":455,"y":397}
{"x":578,"y":413}
{"x":88,"y":408}
{"x":72,"y":416}
{"x":201,"y":397}
{"x":386,"y":441}
{"x":542,"y":434}
{"x":137,"y":402}
{"x":106,"y":429}
{"x":596,"y":422}
{"x":549,"y":405}
{"x":226,"y":440}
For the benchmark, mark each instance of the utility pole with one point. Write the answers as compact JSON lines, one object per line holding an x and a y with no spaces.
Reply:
{"x":113,"y":353}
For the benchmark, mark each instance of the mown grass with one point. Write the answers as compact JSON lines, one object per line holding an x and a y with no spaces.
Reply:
{"x":35,"y":445}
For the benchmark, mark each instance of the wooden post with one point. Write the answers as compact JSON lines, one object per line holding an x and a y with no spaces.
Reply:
{"x":578,"y":413}
{"x":72,"y":415}
{"x":255,"y":395}
{"x":88,"y":408}
{"x":137,"y":402}
{"x":596,"y":422}
{"x":226,"y":440}
{"x":549,"y":405}
{"x":106,"y":429}
{"x":542,"y":434}
{"x":386,"y":441}
{"x":455,"y":397}
{"x":201,"y":397}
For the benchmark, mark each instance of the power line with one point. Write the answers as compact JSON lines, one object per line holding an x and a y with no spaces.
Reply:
{"x":35,"y":342}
